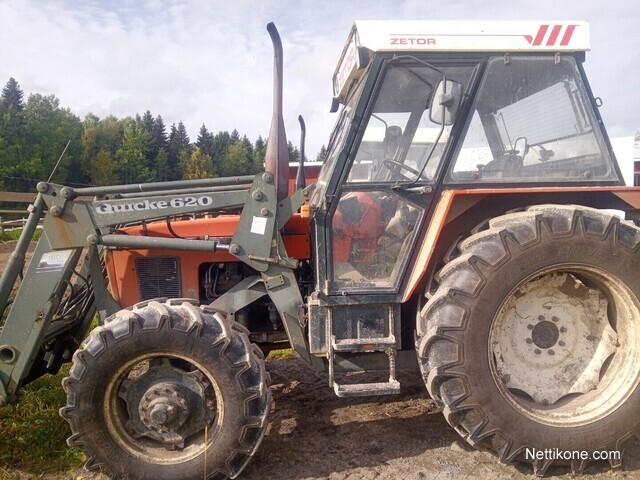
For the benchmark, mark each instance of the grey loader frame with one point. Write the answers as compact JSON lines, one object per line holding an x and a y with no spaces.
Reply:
{"x":39,"y":333}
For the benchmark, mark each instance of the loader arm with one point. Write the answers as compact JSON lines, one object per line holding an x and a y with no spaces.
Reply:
{"x":75,"y":221}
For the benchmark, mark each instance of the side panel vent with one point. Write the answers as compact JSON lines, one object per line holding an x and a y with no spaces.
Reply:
{"x":158,"y":277}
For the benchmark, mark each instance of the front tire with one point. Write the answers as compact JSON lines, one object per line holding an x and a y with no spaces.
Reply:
{"x":532,"y":338}
{"x":167,"y":391}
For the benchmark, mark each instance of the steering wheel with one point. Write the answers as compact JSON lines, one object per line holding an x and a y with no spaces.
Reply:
{"x":395,"y":168}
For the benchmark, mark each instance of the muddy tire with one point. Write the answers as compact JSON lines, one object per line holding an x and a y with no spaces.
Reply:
{"x":167,"y":391}
{"x":531,"y":340}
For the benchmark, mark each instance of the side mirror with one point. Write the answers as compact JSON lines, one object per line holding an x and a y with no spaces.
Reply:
{"x":445,"y":103}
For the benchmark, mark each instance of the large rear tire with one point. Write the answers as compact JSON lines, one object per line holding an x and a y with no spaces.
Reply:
{"x":167,"y":391}
{"x":531,"y":340}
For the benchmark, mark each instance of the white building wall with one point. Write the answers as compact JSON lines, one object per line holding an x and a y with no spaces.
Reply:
{"x":623,"y":147}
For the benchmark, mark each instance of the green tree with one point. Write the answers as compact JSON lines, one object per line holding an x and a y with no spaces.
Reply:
{"x":102,"y":137}
{"x":12,"y":96}
{"x":179,"y":150}
{"x":163,"y":173}
{"x":237,"y":160}
{"x":259,"y":150}
{"x":205,"y":141}
{"x":48,"y":128}
{"x":131,"y":158}
{"x":294,"y":154}
{"x":103,"y":169}
{"x":11,"y":126}
{"x":322,"y":154}
{"x":197,"y":166}
{"x":160,"y":139}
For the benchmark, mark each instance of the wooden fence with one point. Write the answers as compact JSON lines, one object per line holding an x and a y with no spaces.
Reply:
{"x":18,"y":198}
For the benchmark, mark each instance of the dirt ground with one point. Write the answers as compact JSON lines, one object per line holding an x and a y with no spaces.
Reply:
{"x":315,"y":435}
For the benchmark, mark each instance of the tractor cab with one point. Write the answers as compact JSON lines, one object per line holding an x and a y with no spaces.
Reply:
{"x":430,"y":107}
{"x":470,"y":104}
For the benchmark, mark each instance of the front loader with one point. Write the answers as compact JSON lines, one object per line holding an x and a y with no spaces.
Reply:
{"x":470,"y":222}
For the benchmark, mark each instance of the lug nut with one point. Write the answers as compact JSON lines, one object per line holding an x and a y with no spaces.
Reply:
{"x":537,"y":351}
{"x":561,"y":343}
{"x":530,"y":327}
{"x":551,"y":352}
{"x":541,"y":317}
{"x":554,"y":318}
{"x":528,"y":340}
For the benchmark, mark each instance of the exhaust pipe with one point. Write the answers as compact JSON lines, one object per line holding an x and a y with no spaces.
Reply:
{"x":301,"y":181}
{"x":277,"y":154}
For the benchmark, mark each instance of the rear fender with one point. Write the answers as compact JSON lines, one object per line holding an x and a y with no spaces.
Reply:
{"x":457,"y":212}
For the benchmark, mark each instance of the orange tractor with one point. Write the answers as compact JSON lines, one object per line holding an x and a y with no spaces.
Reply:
{"x":470,"y":222}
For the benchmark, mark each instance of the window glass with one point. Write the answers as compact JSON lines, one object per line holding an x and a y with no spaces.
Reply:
{"x":532,"y":122}
{"x":372,"y":233}
{"x":336,"y":144}
{"x":399,"y":138}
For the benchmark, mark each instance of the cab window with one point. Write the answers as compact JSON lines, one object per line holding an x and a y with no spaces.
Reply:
{"x":532,"y":123}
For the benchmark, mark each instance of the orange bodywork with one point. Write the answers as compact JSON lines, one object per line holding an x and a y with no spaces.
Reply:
{"x":453,"y":203}
{"x":121,"y":268}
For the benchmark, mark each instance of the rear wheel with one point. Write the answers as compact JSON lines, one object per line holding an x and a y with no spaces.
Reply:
{"x":167,"y":390}
{"x":532,"y":338}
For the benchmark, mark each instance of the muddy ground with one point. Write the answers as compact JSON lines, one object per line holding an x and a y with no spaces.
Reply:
{"x":312,"y":434}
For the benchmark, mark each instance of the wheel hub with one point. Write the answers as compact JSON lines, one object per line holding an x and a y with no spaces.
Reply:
{"x":552,"y":337}
{"x":166,"y":403}
{"x":164,"y":407}
{"x":545,"y":334}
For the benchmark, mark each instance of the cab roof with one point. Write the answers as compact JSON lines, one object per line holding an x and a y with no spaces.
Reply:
{"x":368,"y":37}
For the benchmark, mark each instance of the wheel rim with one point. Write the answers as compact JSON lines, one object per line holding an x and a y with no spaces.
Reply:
{"x":564,"y":345}
{"x":163,"y":408}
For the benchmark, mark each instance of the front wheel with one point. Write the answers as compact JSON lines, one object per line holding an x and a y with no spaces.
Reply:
{"x":167,"y":391}
{"x":531,"y":342}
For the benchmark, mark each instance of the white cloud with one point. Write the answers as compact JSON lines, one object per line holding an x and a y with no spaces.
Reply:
{"x":203,"y":61}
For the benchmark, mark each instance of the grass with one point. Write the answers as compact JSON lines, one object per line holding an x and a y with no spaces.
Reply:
{"x":33,"y":434}
{"x":13,"y":235}
{"x":278,"y":354}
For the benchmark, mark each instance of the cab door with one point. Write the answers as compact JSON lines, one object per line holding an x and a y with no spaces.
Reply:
{"x":380,"y":198}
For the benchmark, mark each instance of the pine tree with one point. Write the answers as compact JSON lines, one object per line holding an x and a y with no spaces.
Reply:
{"x":221,"y":142}
{"x":259,"y":150}
{"x":162,"y":166}
{"x":159,"y":131}
{"x":205,"y":141}
{"x":11,"y":121}
{"x":147,"y":121}
{"x":322,"y":154}
{"x":12,"y":96}
{"x":178,"y":150}
{"x":294,"y":154}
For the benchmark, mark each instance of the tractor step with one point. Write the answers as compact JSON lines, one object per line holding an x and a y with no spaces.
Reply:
{"x":391,"y":387}
{"x":368,"y":345}
{"x":364,"y":344}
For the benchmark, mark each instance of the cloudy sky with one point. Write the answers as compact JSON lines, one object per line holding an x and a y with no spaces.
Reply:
{"x":209,"y":61}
